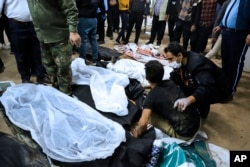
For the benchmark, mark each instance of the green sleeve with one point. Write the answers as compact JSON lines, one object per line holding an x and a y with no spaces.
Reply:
{"x":70,"y":10}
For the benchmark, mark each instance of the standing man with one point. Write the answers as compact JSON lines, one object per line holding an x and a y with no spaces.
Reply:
{"x":56,"y":36}
{"x":87,"y":26}
{"x":159,"y":12}
{"x":187,"y":21}
{"x":173,"y":9}
{"x":235,"y":40}
{"x":138,"y":11}
{"x":204,"y":27}
{"x":24,"y":42}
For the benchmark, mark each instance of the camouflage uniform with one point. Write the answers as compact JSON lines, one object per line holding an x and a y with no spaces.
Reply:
{"x":56,"y":57}
{"x":53,"y":34}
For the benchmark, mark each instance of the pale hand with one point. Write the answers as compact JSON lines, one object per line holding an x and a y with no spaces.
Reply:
{"x":248,"y":40}
{"x":75,"y":39}
{"x":181,"y":104}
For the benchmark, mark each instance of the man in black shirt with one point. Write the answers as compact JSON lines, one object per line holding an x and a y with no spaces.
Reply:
{"x":158,"y":107}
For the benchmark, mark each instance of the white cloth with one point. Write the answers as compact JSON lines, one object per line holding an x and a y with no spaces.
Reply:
{"x":16,"y":9}
{"x":107,"y":87}
{"x":136,"y":70}
{"x":67,"y":129}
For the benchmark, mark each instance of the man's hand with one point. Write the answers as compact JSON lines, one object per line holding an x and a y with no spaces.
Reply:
{"x":193,"y":28}
{"x":181,"y":104}
{"x":248,"y":40}
{"x":216,"y":29}
{"x":75,"y":39}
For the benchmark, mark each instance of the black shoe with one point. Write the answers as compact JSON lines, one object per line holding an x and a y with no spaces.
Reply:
{"x":26,"y":81}
{"x":101,"y":42}
{"x":111,"y":38}
{"x":149,"y":42}
{"x":44,"y":80}
{"x":125,"y":42}
{"x":2,"y":69}
{"x":117,"y":41}
{"x":158,"y":43}
{"x":228,"y":99}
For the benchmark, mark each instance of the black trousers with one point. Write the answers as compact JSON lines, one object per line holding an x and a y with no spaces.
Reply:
{"x":158,"y":28}
{"x":182,"y":28}
{"x":26,"y":48}
{"x":233,"y":52}
{"x":135,"y":19}
{"x":200,"y":37}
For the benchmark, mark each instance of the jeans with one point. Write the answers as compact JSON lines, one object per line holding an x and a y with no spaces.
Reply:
{"x":87,"y":28}
{"x":124,"y":19}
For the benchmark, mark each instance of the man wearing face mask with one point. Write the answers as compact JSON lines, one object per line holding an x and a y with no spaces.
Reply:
{"x":201,"y":80}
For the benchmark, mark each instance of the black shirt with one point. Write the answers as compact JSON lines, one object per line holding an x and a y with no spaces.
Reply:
{"x":161,"y":101}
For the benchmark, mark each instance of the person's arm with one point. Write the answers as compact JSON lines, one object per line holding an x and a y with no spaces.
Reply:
{"x":141,"y":127}
{"x":182,"y":103}
{"x":196,"y":13}
{"x":70,"y":10}
{"x":217,"y":22}
{"x":248,"y":40}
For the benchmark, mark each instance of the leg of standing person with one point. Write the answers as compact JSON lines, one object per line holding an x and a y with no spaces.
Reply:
{"x":124,"y":19}
{"x":131,"y":23}
{"x":201,"y":39}
{"x":1,"y":31}
{"x":216,"y":48}
{"x":1,"y":65}
{"x":109,"y":32}
{"x":233,"y":51}
{"x":171,"y":24}
{"x":153,"y":29}
{"x":19,"y":38}
{"x":186,"y":34}
{"x":56,"y":58}
{"x":35,"y":51}
{"x":100,"y":28}
{"x":115,"y":18}
{"x":161,"y":31}
{"x":138,"y":26}
{"x":92,"y":39}
{"x":178,"y":31}
{"x":83,"y":29}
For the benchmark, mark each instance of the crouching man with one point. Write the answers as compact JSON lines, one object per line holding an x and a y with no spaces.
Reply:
{"x":158,"y":108}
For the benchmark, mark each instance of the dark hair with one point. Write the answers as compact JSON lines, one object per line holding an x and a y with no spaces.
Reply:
{"x":174,"y":48}
{"x":154,"y":71}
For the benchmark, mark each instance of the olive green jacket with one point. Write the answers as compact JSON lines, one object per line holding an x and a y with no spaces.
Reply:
{"x":53,"y":19}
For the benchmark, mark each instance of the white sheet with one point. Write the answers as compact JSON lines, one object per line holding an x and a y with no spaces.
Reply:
{"x":67,"y":129}
{"x":135,"y":69}
{"x":107,"y":87}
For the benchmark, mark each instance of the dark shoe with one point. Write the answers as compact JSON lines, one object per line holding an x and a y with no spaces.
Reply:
{"x":101,"y":42}
{"x":158,"y":43}
{"x":228,"y":99}
{"x":111,"y":38}
{"x":117,"y":41}
{"x":149,"y":42}
{"x":2,"y":69}
{"x":26,"y":81}
{"x":125,"y":42}
{"x":44,"y":80}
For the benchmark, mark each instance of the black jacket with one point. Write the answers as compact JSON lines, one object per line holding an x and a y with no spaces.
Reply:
{"x":205,"y":79}
{"x":88,"y":8}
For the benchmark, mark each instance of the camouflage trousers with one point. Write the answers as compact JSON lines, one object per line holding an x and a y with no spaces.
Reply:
{"x":56,"y":58}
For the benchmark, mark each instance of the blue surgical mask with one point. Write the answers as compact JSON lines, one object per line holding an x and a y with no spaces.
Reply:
{"x":175,"y":65}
